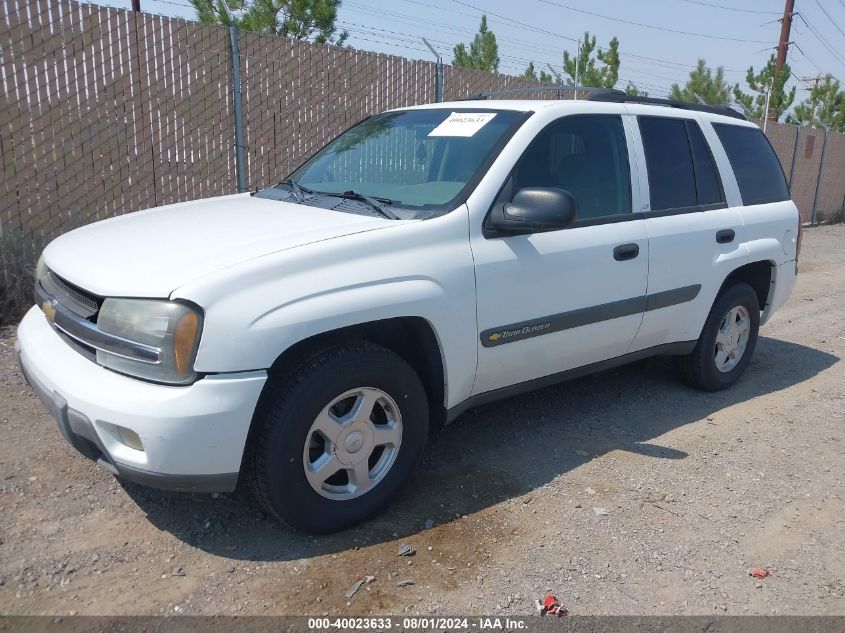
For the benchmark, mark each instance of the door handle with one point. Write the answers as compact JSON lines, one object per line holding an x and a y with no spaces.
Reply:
{"x":725,"y":236}
{"x":626,"y":251}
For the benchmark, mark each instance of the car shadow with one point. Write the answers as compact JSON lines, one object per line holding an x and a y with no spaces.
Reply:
{"x":494,"y":453}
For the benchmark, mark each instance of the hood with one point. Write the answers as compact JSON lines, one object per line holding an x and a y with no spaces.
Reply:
{"x":151,"y":253}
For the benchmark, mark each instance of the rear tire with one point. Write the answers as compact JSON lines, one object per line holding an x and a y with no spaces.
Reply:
{"x":727,"y":340}
{"x":338,"y":438}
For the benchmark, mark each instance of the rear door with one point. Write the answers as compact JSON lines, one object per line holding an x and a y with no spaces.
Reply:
{"x":695,"y":236}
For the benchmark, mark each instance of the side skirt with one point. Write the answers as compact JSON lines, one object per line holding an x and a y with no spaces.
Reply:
{"x":668,"y":349}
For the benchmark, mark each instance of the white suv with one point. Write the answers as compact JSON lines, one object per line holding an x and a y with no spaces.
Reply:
{"x":306,"y":337}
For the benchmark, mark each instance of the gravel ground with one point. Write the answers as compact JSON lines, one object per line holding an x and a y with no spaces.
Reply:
{"x":623,"y":493}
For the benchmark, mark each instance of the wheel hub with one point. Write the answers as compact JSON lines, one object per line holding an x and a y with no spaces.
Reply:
{"x":352,"y":443}
{"x":732,"y":338}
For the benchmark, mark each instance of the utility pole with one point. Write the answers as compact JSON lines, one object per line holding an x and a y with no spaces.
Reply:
{"x":783,"y":42}
{"x":136,"y":6}
{"x":816,"y":81}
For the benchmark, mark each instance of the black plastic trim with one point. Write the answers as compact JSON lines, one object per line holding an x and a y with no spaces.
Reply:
{"x":661,"y":213}
{"x":670,"y":349}
{"x":222,"y":482}
{"x":618,"y":96}
{"x":672,"y":297}
{"x":585,"y":316}
{"x":725,"y":236}
{"x":626,"y":252}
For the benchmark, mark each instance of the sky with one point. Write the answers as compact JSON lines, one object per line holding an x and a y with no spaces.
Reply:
{"x":659,"y":40}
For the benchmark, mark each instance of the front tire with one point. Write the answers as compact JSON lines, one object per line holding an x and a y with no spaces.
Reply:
{"x":338,"y":438}
{"x":727,"y":340}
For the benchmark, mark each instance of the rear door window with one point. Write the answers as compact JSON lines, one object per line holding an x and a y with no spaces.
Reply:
{"x":681,"y":170}
{"x":755,"y":164}
{"x":707,"y":182}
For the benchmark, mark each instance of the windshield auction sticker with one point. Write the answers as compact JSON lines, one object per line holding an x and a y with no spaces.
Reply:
{"x":462,"y":124}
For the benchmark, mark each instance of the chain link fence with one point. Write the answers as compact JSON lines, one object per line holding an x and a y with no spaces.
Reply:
{"x":105,"y":111}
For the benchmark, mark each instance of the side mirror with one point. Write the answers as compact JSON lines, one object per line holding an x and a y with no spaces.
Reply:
{"x":534,"y":210}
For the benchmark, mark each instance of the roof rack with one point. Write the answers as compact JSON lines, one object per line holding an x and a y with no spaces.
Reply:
{"x":617,"y":96}
{"x":561,"y":90}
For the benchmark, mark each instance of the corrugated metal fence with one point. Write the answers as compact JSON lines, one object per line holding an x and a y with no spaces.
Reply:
{"x":106,"y":111}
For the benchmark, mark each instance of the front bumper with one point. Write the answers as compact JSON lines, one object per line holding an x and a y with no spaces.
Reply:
{"x":193,"y":437}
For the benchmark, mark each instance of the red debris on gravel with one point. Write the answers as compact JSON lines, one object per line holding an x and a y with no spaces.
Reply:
{"x":758,"y":572}
{"x":552,"y":606}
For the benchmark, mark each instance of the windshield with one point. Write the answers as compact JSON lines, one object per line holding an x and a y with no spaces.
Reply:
{"x":416,"y":160}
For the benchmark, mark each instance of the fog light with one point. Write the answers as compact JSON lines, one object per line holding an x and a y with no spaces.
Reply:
{"x":130,"y":438}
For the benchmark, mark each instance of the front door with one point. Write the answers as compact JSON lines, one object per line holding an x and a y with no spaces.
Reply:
{"x":557,"y":300}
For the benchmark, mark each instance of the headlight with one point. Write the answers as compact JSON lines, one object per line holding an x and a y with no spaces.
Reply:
{"x":174,"y":328}
{"x":41,"y":269}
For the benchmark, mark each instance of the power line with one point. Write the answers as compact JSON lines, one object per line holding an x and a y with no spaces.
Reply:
{"x":572,"y":39}
{"x":832,"y":21}
{"x":516,"y":22}
{"x":821,"y":39}
{"x":719,"y":6}
{"x":807,"y":57}
{"x":652,"y":26}
{"x":391,"y":34}
{"x":403,"y":18}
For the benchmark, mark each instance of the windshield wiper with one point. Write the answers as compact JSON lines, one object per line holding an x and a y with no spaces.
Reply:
{"x":376,"y":204}
{"x":298,"y":191}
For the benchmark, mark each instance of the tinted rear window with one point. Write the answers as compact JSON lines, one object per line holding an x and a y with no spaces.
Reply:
{"x":671,"y":176}
{"x":755,"y":164}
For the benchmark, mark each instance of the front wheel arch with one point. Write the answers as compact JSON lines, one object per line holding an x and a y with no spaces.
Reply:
{"x":412,"y":338}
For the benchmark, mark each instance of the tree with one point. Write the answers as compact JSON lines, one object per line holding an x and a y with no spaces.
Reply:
{"x":589,"y":74}
{"x":703,"y":87}
{"x":632,"y":91}
{"x":312,"y":20}
{"x":531,"y":75}
{"x":483,"y":51}
{"x":824,"y":108}
{"x":779,"y":100}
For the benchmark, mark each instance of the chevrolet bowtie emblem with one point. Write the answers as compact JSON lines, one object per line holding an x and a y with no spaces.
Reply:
{"x":49,"y":308}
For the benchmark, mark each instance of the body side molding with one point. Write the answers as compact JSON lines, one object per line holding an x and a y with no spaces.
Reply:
{"x":585,"y":316}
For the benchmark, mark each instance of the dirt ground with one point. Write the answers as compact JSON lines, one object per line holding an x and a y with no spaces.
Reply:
{"x":623,"y":493}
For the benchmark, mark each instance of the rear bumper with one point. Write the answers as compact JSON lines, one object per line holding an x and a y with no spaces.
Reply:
{"x":193,"y":437}
{"x":783,"y":281}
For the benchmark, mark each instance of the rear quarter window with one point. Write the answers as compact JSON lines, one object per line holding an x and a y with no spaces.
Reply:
{"x":755,"y":164}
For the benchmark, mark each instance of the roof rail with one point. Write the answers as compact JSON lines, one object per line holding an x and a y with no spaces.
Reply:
{"x":617,"y":96}
{"x":561,"y":90}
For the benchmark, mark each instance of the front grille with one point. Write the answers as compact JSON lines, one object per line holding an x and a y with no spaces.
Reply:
{"x":74,"y":298}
